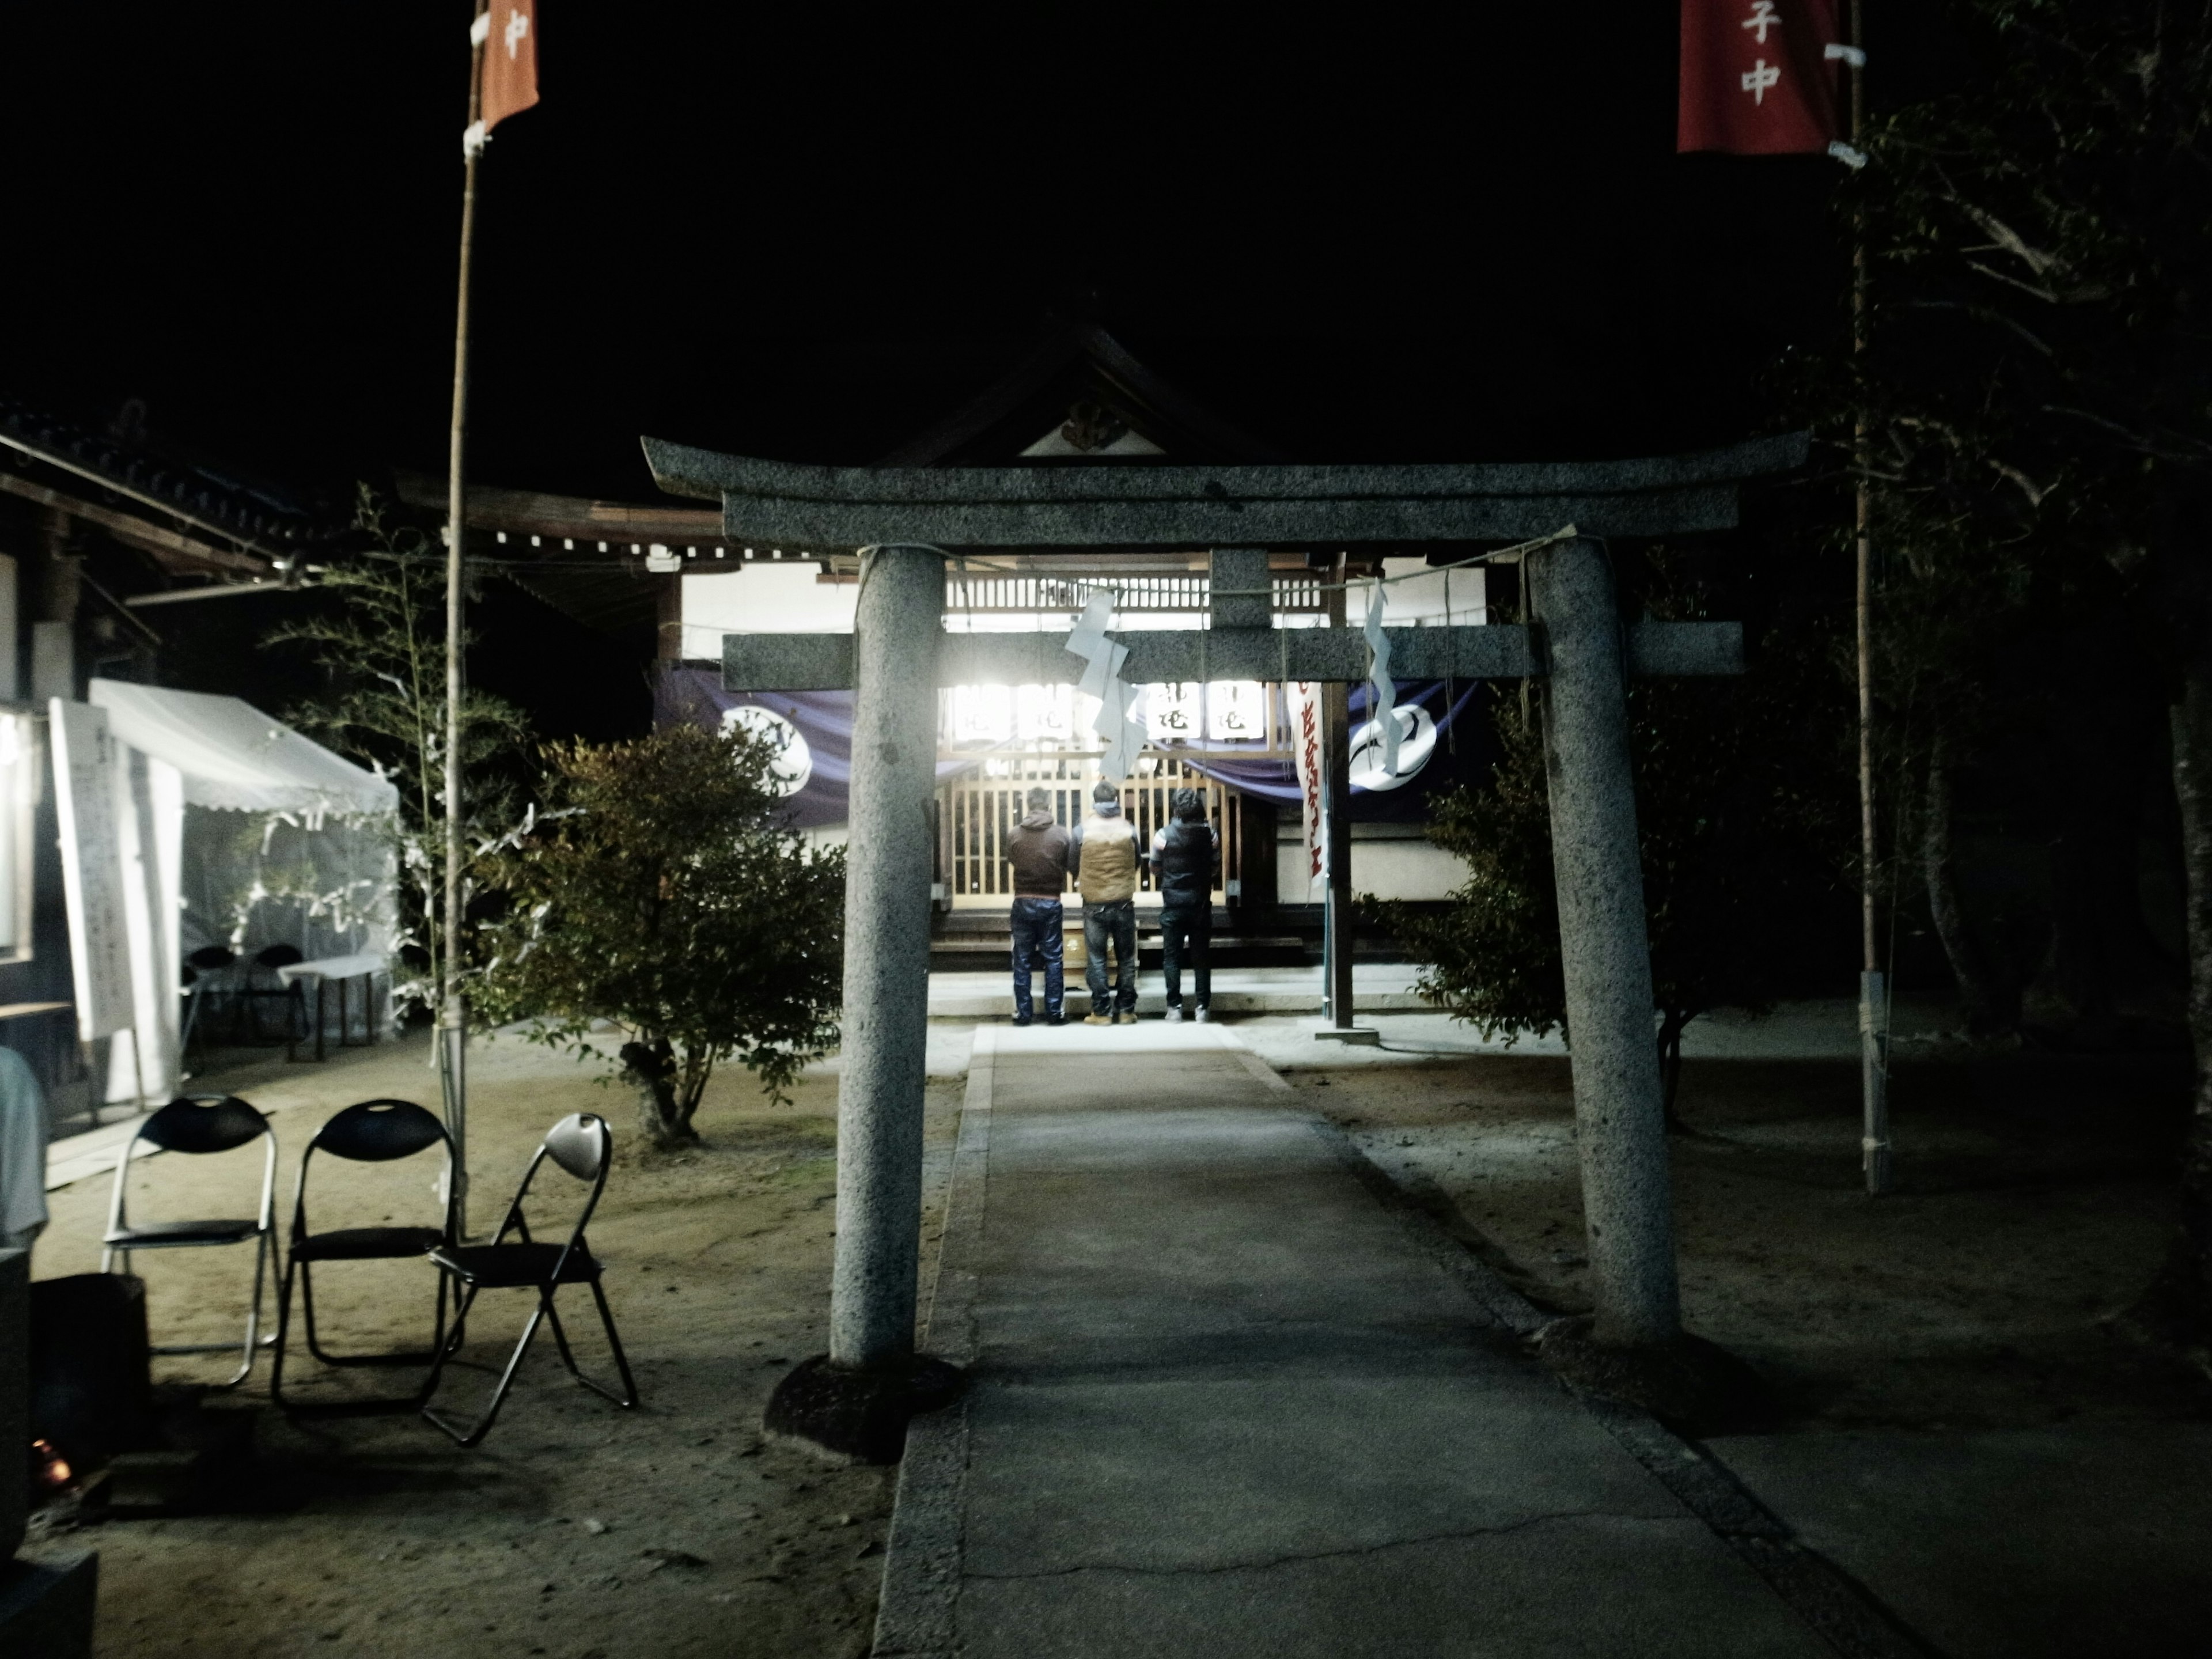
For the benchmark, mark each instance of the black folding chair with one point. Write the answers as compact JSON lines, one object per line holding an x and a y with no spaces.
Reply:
{"x":373,"y":1132}
{"x":194,"y":1125}
{"x":207,"y":974}
{"x":289,"y":993}
{"x":581,"y":1145}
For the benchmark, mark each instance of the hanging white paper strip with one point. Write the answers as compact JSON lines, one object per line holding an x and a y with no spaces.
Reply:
{"x":1378,"y":677}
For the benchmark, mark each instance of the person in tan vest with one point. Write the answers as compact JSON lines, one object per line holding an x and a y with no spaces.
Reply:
{"x":1104,"y":855}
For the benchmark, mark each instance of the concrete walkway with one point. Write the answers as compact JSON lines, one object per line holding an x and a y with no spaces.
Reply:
{"x":1226,"y":1400}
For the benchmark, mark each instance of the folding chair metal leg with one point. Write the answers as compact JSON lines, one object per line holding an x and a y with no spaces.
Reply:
{"x":253,"y":1338}
{"x":413,"y":1357}
{"x":472,"y":1435}
{"x":433,"y":1357}
{"x":628,"y":1397}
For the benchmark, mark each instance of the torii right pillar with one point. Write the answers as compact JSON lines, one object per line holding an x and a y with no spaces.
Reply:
{"x":1604,"y":945}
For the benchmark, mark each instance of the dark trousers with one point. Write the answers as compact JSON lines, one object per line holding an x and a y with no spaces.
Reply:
{"x":1036,"y":940}
{"x":1187,"y":931}
{"x":1115,"y":924}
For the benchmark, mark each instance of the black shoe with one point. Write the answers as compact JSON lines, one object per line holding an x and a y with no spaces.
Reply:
{"x":1055,"y":1019}
{"x":1021,"y":1019}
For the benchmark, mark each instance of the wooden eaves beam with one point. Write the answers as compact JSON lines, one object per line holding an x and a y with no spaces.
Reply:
{"x":157,"y":539}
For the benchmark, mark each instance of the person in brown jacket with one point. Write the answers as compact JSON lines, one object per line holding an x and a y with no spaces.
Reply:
{"x":1038,"y":848}
{"x":1103,"y":856}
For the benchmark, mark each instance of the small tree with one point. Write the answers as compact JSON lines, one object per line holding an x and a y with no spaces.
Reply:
{"x":383,"y":648}
{"x":1732,"y":808}
{"x":663,"y":892}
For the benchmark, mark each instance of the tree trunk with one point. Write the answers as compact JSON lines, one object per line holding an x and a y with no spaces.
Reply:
{"x":649,"y":1067}
{"x":2178,"y":1308}
{"x":1991,"y":1007}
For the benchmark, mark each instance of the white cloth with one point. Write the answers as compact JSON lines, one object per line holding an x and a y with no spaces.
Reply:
{"x":22,"y":1152}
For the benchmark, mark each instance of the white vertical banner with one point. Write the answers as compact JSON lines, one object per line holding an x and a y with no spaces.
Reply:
{"x":1304,"y":698}
{"x":85,"y":793}
{"x":149,"y":808}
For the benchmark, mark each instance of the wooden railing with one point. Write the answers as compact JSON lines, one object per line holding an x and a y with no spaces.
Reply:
{"x":976,"y":811}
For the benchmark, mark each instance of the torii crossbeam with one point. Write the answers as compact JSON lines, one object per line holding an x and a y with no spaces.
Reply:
{"x":906,"y":520}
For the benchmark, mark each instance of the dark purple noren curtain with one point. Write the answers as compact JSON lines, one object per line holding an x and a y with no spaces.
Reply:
{"x":1464,"y":752}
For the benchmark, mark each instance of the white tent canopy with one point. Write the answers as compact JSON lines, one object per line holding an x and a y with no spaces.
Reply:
{"x":235,"y":758}
{"x":234,"y":830}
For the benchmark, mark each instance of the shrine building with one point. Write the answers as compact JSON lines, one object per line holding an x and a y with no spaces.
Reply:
{"x":1080,"y":399}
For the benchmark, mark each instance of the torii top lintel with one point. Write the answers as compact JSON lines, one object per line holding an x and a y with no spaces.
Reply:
{"x":1200,"y":506}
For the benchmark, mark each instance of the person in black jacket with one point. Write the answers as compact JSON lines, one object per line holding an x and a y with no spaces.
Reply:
{"x":1185,"y":854}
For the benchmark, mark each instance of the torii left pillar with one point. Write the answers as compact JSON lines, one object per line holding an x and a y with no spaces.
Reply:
{"x":855,"y":1400}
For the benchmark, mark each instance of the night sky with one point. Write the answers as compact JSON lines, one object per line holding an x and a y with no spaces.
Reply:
{"x":808,"y":240}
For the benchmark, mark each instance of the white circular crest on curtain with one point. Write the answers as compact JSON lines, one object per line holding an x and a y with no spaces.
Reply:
{"x":1417,"y":741}
{"x":794,"y":762}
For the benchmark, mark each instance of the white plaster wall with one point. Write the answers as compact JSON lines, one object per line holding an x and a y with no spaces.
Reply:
{"x":781,"y":596}
{"x":762,"y":597}
{"x":1386,"y":869}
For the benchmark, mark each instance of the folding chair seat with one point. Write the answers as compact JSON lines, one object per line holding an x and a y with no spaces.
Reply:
{"x":195,"y":1125}
{"x":372,"y":1131}
{"x":289,"y":992}
{"x":505,"y":1267}
{"x":580,"y":1146}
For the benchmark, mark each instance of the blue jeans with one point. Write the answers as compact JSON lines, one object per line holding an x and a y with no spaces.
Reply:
{"x":1036,"y":939}
{"x":1188,"y":929}
{"x":1115,"y":923}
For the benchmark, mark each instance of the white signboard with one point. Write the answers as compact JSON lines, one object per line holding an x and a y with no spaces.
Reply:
{"x":1174,"y":713}
{"x":1235,"y":711}
{"x":1225,"y":711}
{"x":85,"y":794}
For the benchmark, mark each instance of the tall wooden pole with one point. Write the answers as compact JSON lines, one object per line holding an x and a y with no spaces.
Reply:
{"x":1874,"y":1002}
{"x":453,"y":1009}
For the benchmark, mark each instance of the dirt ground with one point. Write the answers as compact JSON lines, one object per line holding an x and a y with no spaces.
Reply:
{"x":2034,"y":1198}
{"x":577,"y":1530}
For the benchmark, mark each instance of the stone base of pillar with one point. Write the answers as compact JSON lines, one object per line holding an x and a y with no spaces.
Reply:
{"x":1692,"y":1385}
{"x":857,"y":1416}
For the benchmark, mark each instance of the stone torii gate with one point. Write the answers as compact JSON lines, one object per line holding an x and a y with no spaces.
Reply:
{"x":907,"y":519}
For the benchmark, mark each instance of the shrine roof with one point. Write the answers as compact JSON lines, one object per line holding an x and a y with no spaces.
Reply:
{"x":188,"y":492}
{"x":1079,"y":395}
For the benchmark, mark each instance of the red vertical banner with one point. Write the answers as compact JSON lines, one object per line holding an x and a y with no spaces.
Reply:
{"x":1757,"y":76}
{"x":510,"y":60}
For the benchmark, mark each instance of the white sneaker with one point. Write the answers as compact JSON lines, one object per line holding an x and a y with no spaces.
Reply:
{"x":1173,"y":1015}
{"x":1202,"y":1016}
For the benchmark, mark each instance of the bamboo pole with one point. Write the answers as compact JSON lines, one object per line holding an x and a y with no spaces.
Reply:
{"x":1874,"y":1006}
{"x":453,"y":1009}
